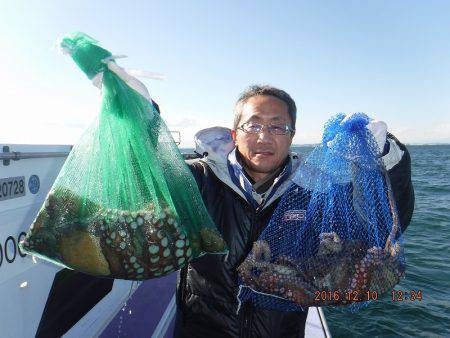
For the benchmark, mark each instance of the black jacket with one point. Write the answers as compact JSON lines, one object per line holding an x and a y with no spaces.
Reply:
{"x":207,"y":287}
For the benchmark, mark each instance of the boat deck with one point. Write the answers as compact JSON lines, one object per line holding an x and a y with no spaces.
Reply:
{"x":150,"y":312}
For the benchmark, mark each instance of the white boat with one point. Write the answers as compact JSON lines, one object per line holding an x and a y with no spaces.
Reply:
{"x":40,"y":299}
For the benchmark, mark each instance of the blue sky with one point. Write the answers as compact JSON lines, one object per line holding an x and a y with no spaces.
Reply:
{"x":390,"y":59}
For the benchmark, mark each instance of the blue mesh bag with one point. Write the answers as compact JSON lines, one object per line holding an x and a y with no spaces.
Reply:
{"x":334,"y":238}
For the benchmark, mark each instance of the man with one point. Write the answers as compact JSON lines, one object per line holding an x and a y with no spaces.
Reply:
{"x":241,"y":192}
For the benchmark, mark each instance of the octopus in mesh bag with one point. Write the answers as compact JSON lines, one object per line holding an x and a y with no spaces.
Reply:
{"x":143,"y":244}
{"x":280,"y":278}
{"x":341,"y":266}
{"x":61,"y":218}
{"x":117,"y":243}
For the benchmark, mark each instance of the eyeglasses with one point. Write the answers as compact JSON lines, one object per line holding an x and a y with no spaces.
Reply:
{"x":274,"y":129}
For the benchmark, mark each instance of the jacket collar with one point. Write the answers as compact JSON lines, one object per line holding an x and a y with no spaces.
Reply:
{"x":249,"y":189}
{"x":235,"y":179}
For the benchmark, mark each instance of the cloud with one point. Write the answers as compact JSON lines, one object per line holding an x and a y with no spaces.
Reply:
{"x":438,"y":132}
{"x":182,"y":122}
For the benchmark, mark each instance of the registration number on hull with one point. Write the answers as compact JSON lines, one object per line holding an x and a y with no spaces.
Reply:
{"x":12,"y":187}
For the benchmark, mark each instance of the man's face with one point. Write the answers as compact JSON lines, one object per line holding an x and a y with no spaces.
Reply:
{"x":263,"y":153}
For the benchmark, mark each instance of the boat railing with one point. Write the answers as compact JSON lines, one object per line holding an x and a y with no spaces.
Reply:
{"x":6,"y":156}
{"x":326,"y":329}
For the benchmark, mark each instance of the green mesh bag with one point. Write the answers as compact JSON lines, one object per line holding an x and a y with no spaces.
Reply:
{"x":125,"y":204}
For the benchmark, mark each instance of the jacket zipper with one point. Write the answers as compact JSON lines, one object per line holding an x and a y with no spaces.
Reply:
{"x":255,"y":221}
{"x":246,"y":322}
